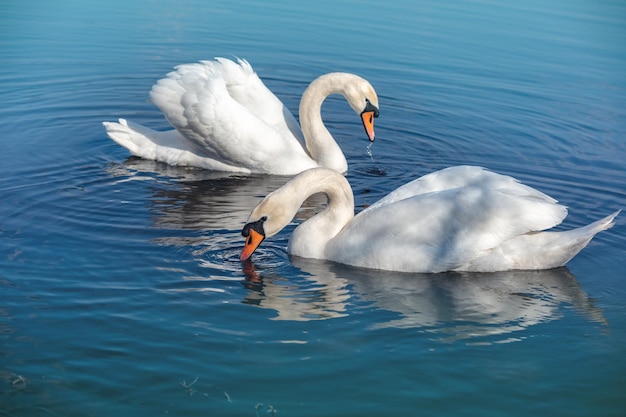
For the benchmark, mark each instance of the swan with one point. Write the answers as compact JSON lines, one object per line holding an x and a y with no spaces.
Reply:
{"x":462,"y":218}
{"x":226,"y":119}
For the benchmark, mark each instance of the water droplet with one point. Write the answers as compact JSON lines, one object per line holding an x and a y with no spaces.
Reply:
{"x":369,"y":150}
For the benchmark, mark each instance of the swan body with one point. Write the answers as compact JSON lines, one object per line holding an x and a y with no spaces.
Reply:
{"x":226,"y":119}
{"x":462,"y":218}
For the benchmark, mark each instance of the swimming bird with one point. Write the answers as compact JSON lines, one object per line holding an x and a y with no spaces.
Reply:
{"x":462,"y":218}
{"x":226,"y":119}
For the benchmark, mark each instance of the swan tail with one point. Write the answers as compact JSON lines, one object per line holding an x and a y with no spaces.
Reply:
{"x":169,"y":147}
{"x":586,"y":233}
{"x":555,"y":249}
{"x":132,"y":136}
{"x":576,"y":239}
{"x":540,"y":250}
{"x":600,"y":225}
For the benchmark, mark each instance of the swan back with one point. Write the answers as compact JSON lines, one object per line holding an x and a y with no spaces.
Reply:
{"x":462,"y":176}
{"x":439,"y":231}
{"x":445,"y":221}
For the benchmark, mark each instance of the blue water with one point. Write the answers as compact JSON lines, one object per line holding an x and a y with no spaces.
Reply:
{"x":121,"y":292}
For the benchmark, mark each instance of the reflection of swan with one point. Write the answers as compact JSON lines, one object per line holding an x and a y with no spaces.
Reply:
{"x":226,"y":119}
{"x":461,"y":218}
{"x":451,"y":305}
{"x":466,"y":305}
{"x":199,"y":212}
{"x":324,"y":296}
{"x":195,"y":199}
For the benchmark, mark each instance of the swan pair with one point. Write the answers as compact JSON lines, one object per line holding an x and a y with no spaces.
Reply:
{"x":461,"y":218}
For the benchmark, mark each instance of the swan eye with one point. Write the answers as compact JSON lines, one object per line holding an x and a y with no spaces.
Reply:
{"x":257,"y":226}
{"x":369,"y":107}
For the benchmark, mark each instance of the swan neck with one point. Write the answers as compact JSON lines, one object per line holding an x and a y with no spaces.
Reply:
{"x":311,"y":237}
{"x":319,"y":142}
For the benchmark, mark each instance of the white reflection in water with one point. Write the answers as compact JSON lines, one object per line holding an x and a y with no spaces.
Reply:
{"x":321,"y":297}
{"x":451,"y":305}
{"x":196,"y":199}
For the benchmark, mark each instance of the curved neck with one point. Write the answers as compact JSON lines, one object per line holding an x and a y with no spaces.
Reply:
{"x":319,"y":142}
{"x":310,"y":238}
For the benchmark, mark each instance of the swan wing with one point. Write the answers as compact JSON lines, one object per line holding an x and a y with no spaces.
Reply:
{"x":196,"y":101}
{"x":245,"y":87}
{"x":443,"y":230}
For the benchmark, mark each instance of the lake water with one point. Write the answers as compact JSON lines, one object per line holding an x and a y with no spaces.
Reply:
{"x":121,"y":292}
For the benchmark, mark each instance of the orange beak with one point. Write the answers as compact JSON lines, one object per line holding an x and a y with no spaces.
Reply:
{"x":368,"y":123}
{"x":367,"y":117}
{"x":253,"y":241}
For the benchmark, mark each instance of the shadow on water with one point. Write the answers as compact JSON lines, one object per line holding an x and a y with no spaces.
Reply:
{"x":452,"y":306}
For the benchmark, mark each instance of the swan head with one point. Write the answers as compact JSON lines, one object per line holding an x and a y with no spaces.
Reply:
{"x":367,"y":117}
{"x":279,"y":208}
{"x":269,"y":217}
{"x":357,"y":91}
{"x":364,"y":101}
{"x":254,"y":232}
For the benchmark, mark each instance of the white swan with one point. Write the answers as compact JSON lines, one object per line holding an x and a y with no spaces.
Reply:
{"x":461,"y":218}
{"x":226,"y":119}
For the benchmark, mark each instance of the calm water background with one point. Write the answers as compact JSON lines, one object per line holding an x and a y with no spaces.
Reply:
{"x":121,"y":292}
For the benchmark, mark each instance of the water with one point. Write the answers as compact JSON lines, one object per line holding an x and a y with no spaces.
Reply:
{"x":121,"y":292}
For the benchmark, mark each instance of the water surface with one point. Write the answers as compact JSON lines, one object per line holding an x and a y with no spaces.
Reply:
{"x":121,"y":292}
